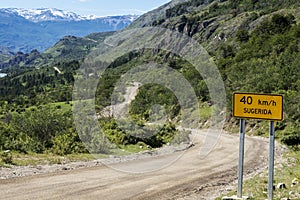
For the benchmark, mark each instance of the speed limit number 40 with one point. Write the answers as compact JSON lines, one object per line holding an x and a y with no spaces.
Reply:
{"x":258,"y":106}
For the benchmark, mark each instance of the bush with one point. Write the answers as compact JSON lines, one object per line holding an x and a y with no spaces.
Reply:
{"x":23,"y":143}
{"x":291,"y":140}
{"x":42,"y":124}
{"x":242,"y":35}
{"x":6,"y":157}
{"x":68,"y":143}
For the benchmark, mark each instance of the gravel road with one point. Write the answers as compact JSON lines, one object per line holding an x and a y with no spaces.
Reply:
{"x":167,"y":173}
{"x":189,"y":177}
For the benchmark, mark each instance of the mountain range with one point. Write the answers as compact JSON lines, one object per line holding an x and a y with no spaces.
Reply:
{"x":28,"y":29}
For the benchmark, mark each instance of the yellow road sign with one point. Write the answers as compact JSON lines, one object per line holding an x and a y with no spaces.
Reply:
{"x":258,"y":106}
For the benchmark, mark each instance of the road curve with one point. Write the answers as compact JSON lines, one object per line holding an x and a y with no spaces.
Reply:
{"x":182,"y":179}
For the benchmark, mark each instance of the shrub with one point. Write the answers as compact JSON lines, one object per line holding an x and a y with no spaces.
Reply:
{"x":68,"y":143}
{"x":291,"y":140}
{"x":242,"y":35}
{"x":6,"y":157}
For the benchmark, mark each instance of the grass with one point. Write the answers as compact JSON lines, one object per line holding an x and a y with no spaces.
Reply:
{"x":63,"y":106}
{"x":205,"y":112}
{"x":286,"y":172}
{"x":34,"y":159}
{"x":201,"y":117}
{"x":134,"y":148}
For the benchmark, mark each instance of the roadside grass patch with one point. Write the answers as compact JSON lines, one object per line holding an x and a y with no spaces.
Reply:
{"x":34,"y":159}
{"x":124,"y":150}
{"x":257,"y":187}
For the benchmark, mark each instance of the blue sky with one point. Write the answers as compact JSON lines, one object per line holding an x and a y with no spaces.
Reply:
{"x":88,"y":7}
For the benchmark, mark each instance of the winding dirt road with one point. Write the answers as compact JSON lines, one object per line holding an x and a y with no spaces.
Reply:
{"x":188,"y":177}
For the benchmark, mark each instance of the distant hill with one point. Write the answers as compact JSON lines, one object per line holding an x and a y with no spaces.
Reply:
{"x":5,"y":54}
{"x":28,"y":29}
{"x":67,"y":49}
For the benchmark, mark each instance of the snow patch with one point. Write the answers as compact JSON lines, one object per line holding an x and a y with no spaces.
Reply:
{"x":54,"y":14}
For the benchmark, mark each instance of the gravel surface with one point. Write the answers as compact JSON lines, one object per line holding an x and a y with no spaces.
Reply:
{"x":187,"y":178}
{"x":21,"y":171}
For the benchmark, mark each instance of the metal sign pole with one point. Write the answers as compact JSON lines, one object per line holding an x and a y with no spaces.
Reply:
{"x":241,"y":158}
{"x":271,"y":161}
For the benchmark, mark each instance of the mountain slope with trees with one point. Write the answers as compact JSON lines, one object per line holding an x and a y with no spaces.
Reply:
{"x":254,"y":43}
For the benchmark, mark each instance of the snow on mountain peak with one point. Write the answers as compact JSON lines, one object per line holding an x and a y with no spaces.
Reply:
{"x":54,"y":14}
{"x":45,"y":14}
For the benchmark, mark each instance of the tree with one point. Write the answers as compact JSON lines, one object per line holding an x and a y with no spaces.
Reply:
{"x":242,"y":35}
{"x":42,"y":124}
{"x":281,"y":23}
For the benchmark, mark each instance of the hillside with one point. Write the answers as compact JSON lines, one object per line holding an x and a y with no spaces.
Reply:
{"x":255,"y":45}
{"x":68,"y":48}
{"x":211,"y":22}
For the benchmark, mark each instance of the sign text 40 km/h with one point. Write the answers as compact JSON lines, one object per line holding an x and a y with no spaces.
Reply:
{"x":258,"y":106}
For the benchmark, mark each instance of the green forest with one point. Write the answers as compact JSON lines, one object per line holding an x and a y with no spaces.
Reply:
{"x":260,"y":56}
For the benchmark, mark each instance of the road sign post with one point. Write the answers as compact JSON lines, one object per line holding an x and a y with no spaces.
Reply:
{"x":241,"y":158}
{"x":271,"y":161}
{"x":257,"y":106}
